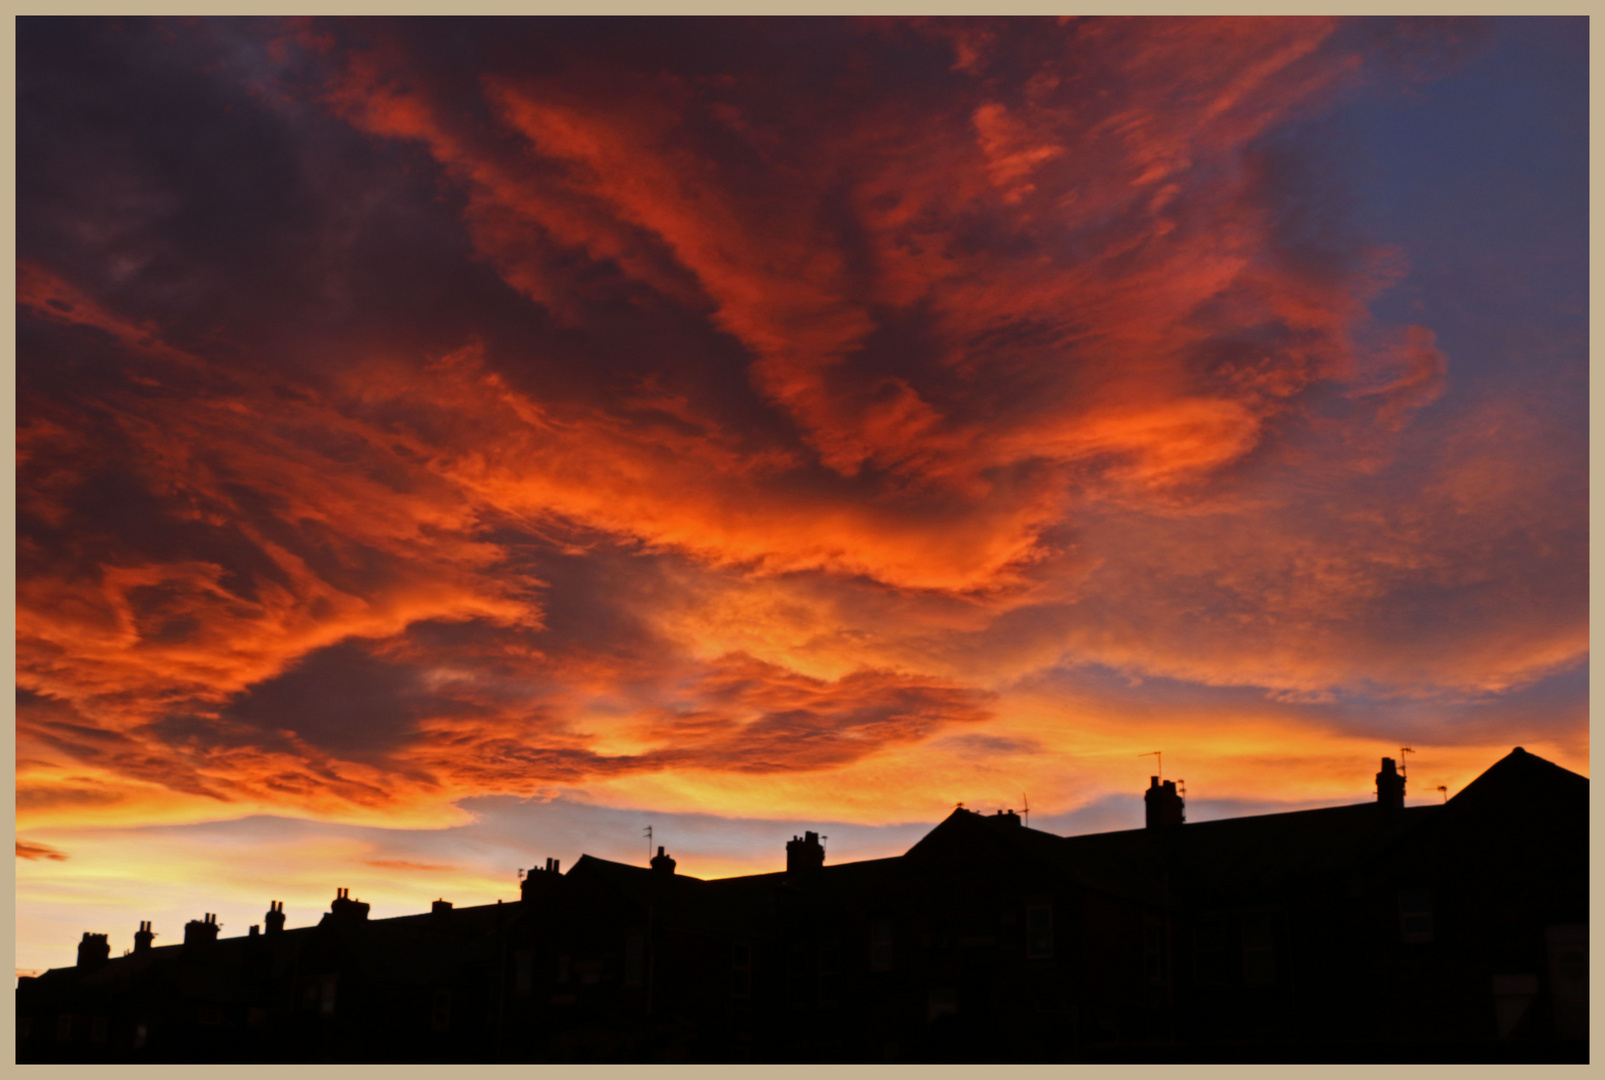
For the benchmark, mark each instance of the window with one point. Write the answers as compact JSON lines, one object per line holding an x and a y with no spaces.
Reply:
{"x":64,"y":1027}
{"x":741,"y":970}
{"x":942,"y":1001}
{"x":797,"y":976}
{"x":562,"y":969}
{"x":880,"y":945}
{"x":1415,"y":915}
{"x":1039,"y":932}
{"x":1209,"y":950}
{"x":830,"y":967}
{"x":634,"y":960}
{"x":326,"y":995}
{"x":1259,"y":947}
{"x":1568,"y":978}
{"x":440,"y":1011}
{"x":97,"y":1029}
{"x":1153,"y":951}
{"x":524,"y":971}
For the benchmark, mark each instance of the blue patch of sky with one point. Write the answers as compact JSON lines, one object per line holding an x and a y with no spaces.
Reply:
{"x":1481,"y":177}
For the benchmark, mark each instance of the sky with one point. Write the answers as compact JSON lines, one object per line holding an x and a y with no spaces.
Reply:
{"x":445,"y":445}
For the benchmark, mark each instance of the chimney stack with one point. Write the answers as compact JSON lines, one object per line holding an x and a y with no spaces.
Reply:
{"x":661,"y":863}
{"x":1008,"y":817}
{"x":199,"y":932}
{"x":143,"y":937}
{"x":440,"y":908}
{"x":1164,"y":804}
{"x":93,"y":951}
{"x":804,"y":853}
{"x":1390,"y":787}
{"x":344,"y":908}
{"x":275,"y":917}
{"x":538,"y":880}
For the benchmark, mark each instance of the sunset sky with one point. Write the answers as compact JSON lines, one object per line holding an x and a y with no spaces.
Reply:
{"x":444,"y":445}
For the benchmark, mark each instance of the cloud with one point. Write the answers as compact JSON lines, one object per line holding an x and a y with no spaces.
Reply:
{"x":406,"y":864}
{"x":998,"y":745}
{"x":742,"y":401}
{"x":27,"y":850}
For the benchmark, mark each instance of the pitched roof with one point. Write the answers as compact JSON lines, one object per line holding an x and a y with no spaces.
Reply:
{"x":970,"y":837}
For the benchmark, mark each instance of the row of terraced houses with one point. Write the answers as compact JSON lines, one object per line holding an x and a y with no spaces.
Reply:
{"x":1371,"y":932}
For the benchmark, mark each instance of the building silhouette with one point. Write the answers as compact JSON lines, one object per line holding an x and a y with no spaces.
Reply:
{"x":1375,"y":932}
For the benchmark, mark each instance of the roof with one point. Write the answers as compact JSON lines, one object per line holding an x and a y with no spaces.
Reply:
{"x":970,"y":837}
{"x":1235,"y":858}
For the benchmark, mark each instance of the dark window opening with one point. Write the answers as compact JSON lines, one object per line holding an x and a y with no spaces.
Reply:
{"x":1153,"y":952}
{"x":1039,"y":932}
{"x":830,"y":967}
{"x":1209,"y":951}
{"x":634,"y":960}
{"x":741,"y":970}
{"x":880,"y":945}
{"x":1415,"y":915}
{"x":797,"y":976}
{"x":1259,"y":948}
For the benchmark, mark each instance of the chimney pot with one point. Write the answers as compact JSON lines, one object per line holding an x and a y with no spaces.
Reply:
{"x":200,"y":932}
{"x":537,"y":882}
{"x":346,"y":908}
{"x":804,"y":854}
{"x":1164,"y":806}
{"x":1390,"y":787}
{"x":93,"y":951}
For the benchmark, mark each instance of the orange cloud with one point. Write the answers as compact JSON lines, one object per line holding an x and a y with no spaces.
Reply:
{"x":26,"y":850}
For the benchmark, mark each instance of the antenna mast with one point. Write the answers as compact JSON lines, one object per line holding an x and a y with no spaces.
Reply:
{"x":649,"y":842}
{"x":1159,"y":764}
